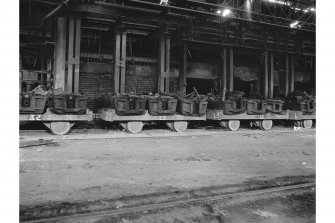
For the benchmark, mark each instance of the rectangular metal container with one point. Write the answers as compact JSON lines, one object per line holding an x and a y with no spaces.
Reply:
{"x":30,"y":103}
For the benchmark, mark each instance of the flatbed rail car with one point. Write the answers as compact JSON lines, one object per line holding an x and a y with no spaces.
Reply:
{"x":263,"y":121}
{"x":135,"y":123}
{"x":58,"y":124}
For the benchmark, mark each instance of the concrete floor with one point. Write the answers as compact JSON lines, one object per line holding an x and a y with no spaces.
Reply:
{"x":76,"y":170}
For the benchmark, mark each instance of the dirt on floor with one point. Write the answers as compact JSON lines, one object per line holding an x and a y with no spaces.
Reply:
{"x":298,"y":207}
{"x":84,"y":171}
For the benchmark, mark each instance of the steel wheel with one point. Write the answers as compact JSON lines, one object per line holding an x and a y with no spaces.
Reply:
{"x":134,"y":127}
{"x":307,"y":124}
{"x":60,"y":128}
{"x":266,"y":125}
{"x":180,"y":126}
{"x":233,"y":125}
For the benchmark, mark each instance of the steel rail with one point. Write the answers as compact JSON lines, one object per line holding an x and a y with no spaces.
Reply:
{"x":171,"y":204}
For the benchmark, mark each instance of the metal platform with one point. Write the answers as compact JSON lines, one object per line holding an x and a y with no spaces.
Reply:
{"x":110,"y":115}
{"x":59,"y":124}
{"x":52,"y":117}
{"x":134,"y":123}
{"x":289,"y":115}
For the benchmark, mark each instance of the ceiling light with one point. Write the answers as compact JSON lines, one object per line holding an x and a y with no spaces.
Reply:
{"x":226,"y":12}
{"x":278,"y":2}
{"x":164,"y":2}
{"x":295,"y":24}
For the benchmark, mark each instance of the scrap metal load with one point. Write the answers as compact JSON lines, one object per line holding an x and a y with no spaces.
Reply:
{"x":234,"y":103}
{"x":32,"y":103}
{"x":39,"y":100}
{"x":161,"y":105}
{"x":231,"y":102}
{"x":156,"y":104}
{"x":124,"y":104}
{"x":56,"y":110}
{"x":301,"y":101}
{"x":193,"y":104}
{"x":133,"y":111}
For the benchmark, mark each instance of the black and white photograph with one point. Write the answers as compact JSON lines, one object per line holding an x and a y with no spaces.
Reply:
{"x":167,"y":111}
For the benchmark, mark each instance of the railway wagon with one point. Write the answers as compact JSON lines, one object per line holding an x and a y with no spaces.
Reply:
{"x":61,"y":124}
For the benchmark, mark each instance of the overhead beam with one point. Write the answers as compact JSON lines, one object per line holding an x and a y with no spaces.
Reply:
{"x":126,"y":11}
{"x":157,"y":33}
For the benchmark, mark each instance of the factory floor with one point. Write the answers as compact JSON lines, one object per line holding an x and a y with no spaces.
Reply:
{"x":91,"y":165}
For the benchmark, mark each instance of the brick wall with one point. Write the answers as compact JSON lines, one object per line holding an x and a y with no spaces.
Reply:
{"x":92,"y":85}
{"x":174,"y":85}
{"x":141,"y":84}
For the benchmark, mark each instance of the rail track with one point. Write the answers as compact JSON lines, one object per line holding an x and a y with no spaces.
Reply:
{"x":171,"y":204}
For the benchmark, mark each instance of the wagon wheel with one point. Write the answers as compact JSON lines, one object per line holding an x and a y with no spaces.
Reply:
{"x":134,"y":127}
{"x":170,"y":125}
{"x":307,"y":124}
{"x":266,"y":125}
{"x":223,"y":123}
{"x":60,"y":128}
{"x":180,"y":126}
{"x":233,"y":125}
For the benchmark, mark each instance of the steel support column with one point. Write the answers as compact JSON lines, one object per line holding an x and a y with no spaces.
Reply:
{"x":265,"y":76}
{"x":60,"y":53}
{"x":183,"y":69}
{"x":224,"y":68}
{"x":287,"y":74}
{"x":231,"y":70}
{"x":76,"y":55}
{"x":292,"y":79}
{"x":120,"y":61}
{"x":73,"y":55}
{"x":271,"y":76}
{"x":164,"y":63}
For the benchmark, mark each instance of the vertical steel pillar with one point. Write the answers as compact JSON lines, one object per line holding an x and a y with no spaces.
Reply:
{"x":287,"y":74}
{"x":271,"y":76}
{"x":69,"y":76}
{"x":120,"y":61}
{"x":224,"y":68}
{"x":231,"y":70}
{"x":60,"y":53}
{"x":266,"y":77}
{"x":292,"y":74}
{"x":164,"y":63}
{"x":73,"y":55}
{"x":183,"y":69}
{"x":76,"y":55}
